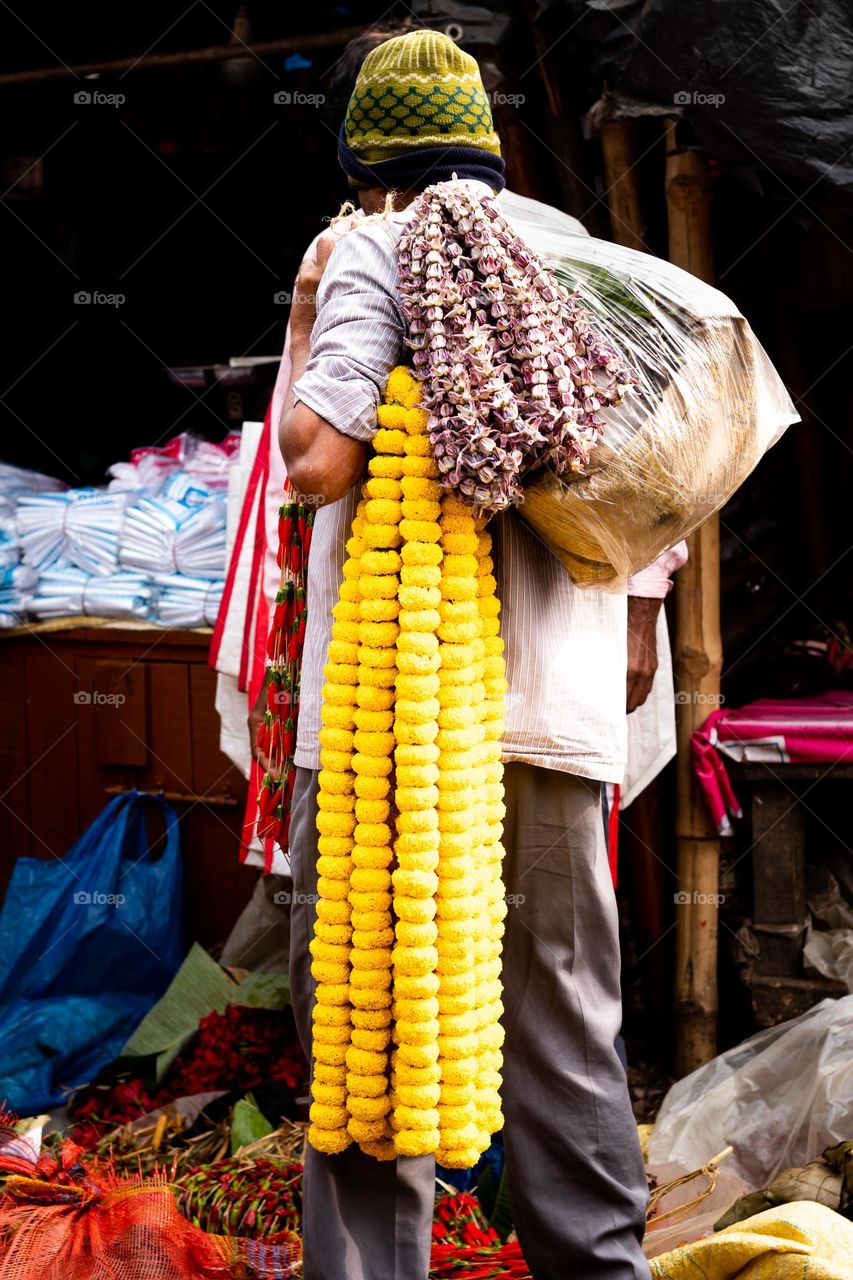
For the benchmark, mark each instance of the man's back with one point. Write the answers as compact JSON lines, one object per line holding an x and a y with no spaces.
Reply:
{"x":565,"y":648}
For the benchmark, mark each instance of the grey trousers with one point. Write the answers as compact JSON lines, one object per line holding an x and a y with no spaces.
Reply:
{"x":576,"y":1177}
{"x":260,"y":939}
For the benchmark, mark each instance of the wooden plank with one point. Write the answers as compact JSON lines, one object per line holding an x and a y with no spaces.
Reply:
{"x":118,"y":704}
{"x":108,"y":754}
{"x":213,"y":772}
{"x":779,"y":880}
{"x":778,"y":857}
{"x":618,"y":151}
{"x":14,"y":792}
{"x":110,"y":634}
{"x":169,"y":731}
{"x":776,"y":1000}
{"x":216,"y":885}
{"x":52,"y":717}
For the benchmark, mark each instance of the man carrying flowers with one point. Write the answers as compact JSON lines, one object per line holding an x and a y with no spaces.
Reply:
{"x":417,"y":780}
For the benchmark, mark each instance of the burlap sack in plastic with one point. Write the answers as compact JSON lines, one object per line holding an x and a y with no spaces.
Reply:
{"x":708,"y":406}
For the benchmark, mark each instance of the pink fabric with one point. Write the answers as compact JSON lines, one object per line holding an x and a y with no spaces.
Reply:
{"x":655,"y":581}
{"x":816,"y":730}
{"x":613,"y":836}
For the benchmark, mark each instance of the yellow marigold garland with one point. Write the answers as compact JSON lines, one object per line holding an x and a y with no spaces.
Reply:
{"x":407,"y":945}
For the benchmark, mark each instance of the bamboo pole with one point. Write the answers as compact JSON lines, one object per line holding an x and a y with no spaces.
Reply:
{"x":623,"y":189}
{"x":213,"y":53}
{"x":698,"y":662}
{"x":641,"y":834}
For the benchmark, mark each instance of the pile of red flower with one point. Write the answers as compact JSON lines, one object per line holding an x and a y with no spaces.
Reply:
{"x":464,"y":1245}
{"x":239,"y":1049}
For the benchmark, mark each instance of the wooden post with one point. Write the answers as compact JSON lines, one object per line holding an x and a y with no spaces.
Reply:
{"x":623,"y":189}
{"x":565,"y":142}
{"x":698,"y":662}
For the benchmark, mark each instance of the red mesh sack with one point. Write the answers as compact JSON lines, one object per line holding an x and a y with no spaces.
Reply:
{"x":68,"y":1221}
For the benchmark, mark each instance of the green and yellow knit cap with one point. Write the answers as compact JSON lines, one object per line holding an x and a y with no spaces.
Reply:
{"x":414,"y":91}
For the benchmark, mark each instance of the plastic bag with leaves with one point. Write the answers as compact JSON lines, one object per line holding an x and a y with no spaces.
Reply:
{"x":707,"y":406}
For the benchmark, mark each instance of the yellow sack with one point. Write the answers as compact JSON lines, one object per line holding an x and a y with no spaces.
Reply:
{"x":799,"y":1241}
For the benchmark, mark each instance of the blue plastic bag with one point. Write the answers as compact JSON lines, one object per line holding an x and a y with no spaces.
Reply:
{"x":89,"y":943}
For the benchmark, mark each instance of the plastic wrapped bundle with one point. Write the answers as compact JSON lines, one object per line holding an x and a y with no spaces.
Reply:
{"x":147,"y":476}
{"x":150,"y":469}
{"x":181,"y":601}
{"x":707,"y":405}
{"x":15,"y":578}
{"x":614,"y":399}
{"x":210,"y":463}
{"x":161,"y":535}
{"x":80,"y":526}
{"x":65,"y":591}
{"x":150,"y":466}
{"x":17,"y":480}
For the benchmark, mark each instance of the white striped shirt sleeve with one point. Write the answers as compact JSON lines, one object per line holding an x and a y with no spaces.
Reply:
{"x":357,"y":337}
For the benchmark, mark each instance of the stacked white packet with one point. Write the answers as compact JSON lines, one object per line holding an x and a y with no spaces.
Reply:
{"x":181,"y":601}
{"x":64,"y":590}
{"x":17,"y":580}
{"x":16,"y":585}
{"x":81,"y":527}
{"x":162,"y":535}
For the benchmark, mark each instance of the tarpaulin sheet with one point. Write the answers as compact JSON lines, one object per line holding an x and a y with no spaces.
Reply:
{"x":784,"y":72}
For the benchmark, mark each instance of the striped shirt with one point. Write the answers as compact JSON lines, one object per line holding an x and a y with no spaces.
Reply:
{"x":566,"y":649}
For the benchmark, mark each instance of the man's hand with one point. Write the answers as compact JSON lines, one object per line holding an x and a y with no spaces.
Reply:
{"x":303,"y":311}
{"x":255,"y":720}
{"x":642,"y":648}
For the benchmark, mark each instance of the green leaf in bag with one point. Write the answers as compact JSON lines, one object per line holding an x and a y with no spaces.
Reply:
{"x":263,"y":991}
{"x":248,"y":1124}
{"x":199,"y":987}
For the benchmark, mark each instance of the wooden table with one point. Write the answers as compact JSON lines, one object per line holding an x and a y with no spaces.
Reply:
{"x":88,"y":709}
{"x":777,"y":979}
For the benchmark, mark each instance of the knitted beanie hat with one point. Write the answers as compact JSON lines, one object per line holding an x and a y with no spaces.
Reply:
{"x":418,"y":90}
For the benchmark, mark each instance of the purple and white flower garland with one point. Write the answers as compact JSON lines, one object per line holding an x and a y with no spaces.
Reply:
{"x":512,"y":368}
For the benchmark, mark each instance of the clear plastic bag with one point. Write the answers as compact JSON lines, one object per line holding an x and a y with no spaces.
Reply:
{"x":708,"y":406}
{"x":779,"y":1099}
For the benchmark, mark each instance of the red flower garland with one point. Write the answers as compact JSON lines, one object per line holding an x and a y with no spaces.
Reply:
{"x":277,"y":736}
